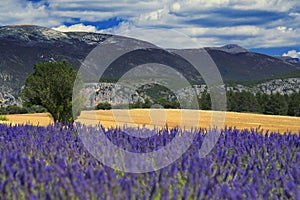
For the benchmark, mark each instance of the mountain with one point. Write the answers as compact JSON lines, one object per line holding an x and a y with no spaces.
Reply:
{"x":23,"y":46}
{"x":291,"y":60}
{"x":230,"y":48}
{"x":249,"y":65}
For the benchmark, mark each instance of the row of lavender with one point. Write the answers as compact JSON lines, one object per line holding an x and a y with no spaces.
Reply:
{"x":52,"y":163}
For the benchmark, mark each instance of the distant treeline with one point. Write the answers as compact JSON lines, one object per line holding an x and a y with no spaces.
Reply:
{"x":275,"y":104}
{"x":13,"y":109}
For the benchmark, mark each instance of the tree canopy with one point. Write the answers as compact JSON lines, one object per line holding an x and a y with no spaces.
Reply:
{"x":51,"y":86}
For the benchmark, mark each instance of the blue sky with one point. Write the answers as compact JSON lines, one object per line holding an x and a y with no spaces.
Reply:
{"x":265,"y":26}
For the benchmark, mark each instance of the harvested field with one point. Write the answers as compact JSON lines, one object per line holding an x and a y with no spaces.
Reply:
{"x":159,"y":118}
{"x":42,"y":119}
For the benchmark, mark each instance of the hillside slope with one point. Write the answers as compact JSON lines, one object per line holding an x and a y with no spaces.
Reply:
{"x":23,"y":46}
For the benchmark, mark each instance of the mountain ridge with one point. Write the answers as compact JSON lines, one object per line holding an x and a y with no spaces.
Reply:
{"x":23,"y":46}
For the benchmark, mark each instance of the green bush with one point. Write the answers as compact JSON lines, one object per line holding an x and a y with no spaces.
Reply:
{"x":103,"y":106}
{"x":3,"y":118}
{"x":13,"y":110}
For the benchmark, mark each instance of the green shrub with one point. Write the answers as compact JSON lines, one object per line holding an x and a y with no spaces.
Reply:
{"x":103,"y":106}
{"x":12,"y":109}
{"x":3,"y":118}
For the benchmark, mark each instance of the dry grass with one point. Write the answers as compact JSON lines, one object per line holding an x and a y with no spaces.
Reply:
{"x":41,"y":119}
{"x":190,"y":119}
{"x":159,"y":118}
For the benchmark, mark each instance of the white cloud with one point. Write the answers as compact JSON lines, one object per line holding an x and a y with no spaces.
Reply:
{"x":76,"y":28}
{"x":174,"y":15}
{"x":23,"y":12}
{"x":195,"y":6}
{"x":103,"y":9}
{"x":284,"y":29}
{"x":246,"y":36}
{"x":175,"y":7}
{"x":162,"y":37}
{"x":294,"y":14}
{"x":292,"y":54}
{"x":91,"y":16}
{"x":147,"y":6}
{"x":278,"y":5}
{"x":249,"y":36}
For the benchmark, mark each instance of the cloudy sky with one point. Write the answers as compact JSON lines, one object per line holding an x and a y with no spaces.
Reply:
{"x":266,"y":26}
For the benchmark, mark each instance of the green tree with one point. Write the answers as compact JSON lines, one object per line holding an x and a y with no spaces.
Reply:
{"x":147,"y":103}
{"x":138,"y":104}
{"x":104,"y":106}
{"x":231,"y":101}
{"x":251,"y":103}
{"x":205,"y":101}
{"x":51,"y":86}
{"x":242,"y":102}
{"x":167,"y":104}
{"x":262,"y":100}
{"x":277,"y":105}
{"x":13,"y":109}
{"x":294,"y":104}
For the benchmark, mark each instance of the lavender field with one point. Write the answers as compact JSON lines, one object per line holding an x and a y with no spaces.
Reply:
{"x":52,"y":163}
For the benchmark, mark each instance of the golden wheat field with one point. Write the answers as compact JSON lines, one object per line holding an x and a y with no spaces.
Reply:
{"x":182,"y":118}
